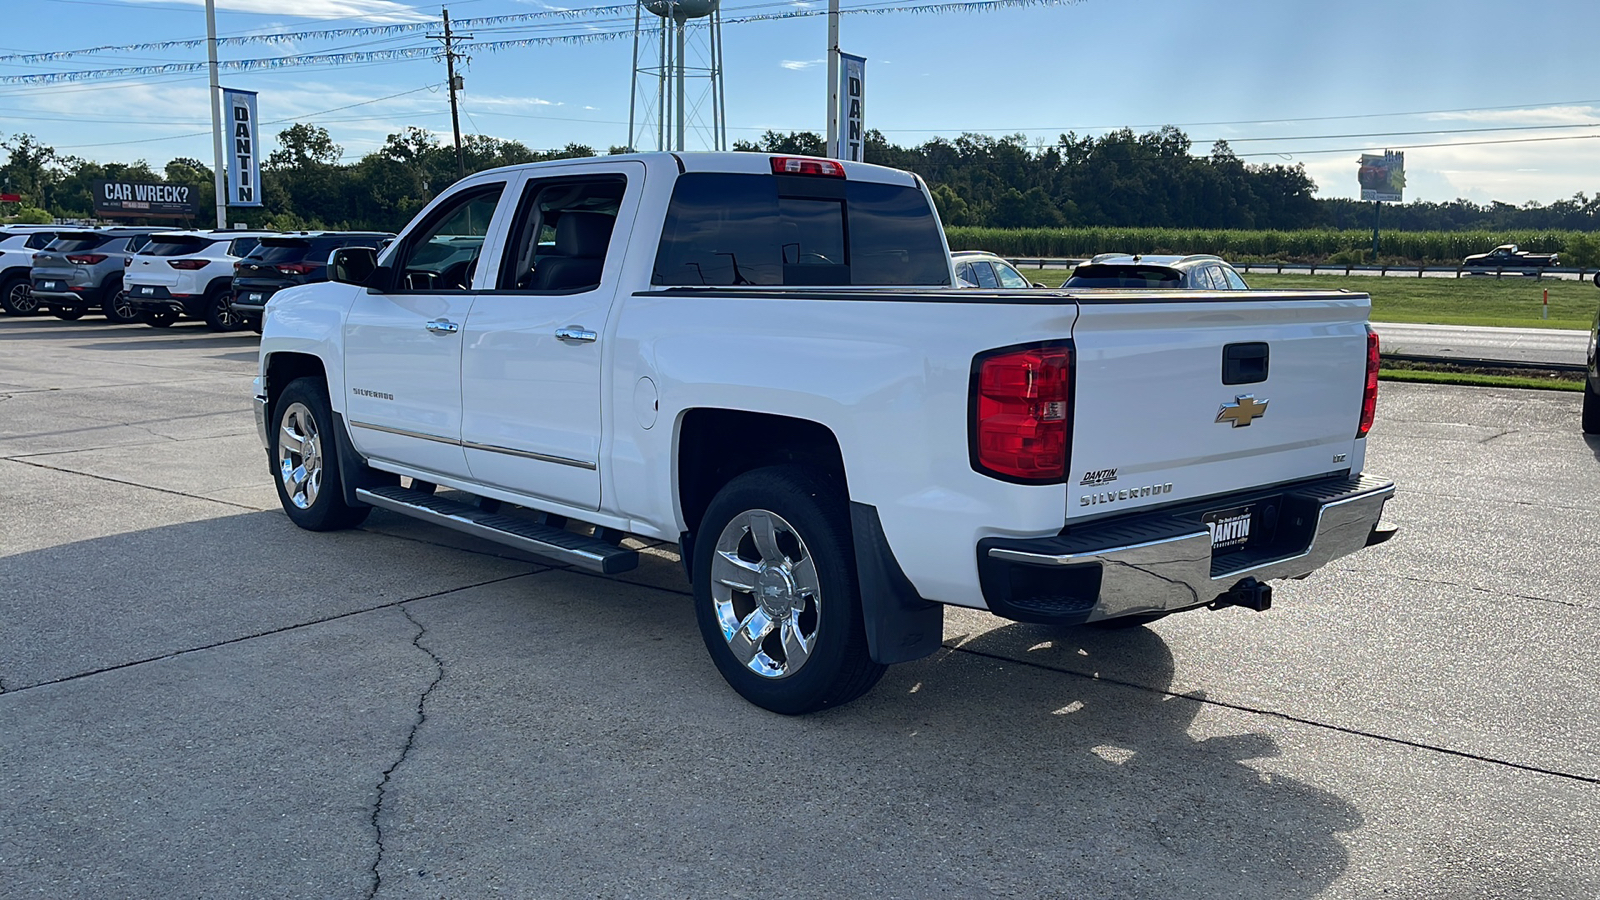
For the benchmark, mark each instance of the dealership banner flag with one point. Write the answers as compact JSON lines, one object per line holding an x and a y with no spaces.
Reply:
{"x":852,"y":94}
{"x":242,"y":139}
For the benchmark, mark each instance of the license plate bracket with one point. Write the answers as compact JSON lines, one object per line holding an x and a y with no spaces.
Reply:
{"x":1245,"y":525}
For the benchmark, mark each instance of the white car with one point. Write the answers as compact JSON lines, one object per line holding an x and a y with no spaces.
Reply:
{"x":186,"y":273}
{"x":18,"y":243}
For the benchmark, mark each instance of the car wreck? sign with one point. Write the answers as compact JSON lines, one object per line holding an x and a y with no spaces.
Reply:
{"x":140,"y":199}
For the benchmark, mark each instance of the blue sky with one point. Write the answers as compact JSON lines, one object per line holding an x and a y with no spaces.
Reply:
{"x":1280,"y":80}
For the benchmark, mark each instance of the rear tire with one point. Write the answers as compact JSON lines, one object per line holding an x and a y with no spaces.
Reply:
{"x":119,"y":310}
{"x":1591,"y":407}
{"x":219,"y":312}
{"x":775,"y":592}
{"x":159,"y":318}
{"x":16,"y":297}
{"x":305,"y":460}
{"x":68,"y":313}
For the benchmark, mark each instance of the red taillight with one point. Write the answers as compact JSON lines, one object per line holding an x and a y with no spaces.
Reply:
{"x":187,"y":265}
{"x":295,"y":269}
{"x":1369,"y":397}
{"x":805,"y":165}
{"x":1021,"y":413}
{"x":87,"y":259}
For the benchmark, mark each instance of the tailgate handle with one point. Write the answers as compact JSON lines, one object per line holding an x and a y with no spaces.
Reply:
{"x":1244,"y":363}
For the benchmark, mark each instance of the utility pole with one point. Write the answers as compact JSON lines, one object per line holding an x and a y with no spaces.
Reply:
{"x":833,"y":80}
{"x":455,"y":84}
{"x":216,"y":114}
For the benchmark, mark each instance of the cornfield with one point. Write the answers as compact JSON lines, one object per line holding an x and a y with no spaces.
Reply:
{"x":1577,"y":248}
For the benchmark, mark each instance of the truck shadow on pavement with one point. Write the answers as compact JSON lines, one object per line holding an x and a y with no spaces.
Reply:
{"x":567,"y":733}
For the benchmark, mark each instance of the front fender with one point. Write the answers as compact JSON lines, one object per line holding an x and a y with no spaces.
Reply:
{"x":309,"y":319}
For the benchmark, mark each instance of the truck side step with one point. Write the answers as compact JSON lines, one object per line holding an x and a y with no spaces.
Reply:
{"x":583,"y":551}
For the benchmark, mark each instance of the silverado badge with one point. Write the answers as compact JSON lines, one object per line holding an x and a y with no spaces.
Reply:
{"x":1242,"y":411}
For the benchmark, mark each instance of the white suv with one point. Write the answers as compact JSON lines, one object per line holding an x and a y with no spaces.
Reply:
{"x":18,"y":243}
{"x":187,"y":273}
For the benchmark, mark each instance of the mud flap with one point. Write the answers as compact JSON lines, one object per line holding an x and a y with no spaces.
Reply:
{"x":901,"y":626}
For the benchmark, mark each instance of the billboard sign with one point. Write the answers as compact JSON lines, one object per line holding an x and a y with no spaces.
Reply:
{"x":852,"y":94}
{"x":141,"y":199}
{"x":242,"y":138}
{"x":1382,"y":178}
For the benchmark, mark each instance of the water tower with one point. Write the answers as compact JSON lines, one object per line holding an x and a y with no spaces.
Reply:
{"x":678,"y":86}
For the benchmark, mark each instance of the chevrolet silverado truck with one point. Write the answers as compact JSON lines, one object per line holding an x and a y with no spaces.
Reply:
{"x":765,"y":359}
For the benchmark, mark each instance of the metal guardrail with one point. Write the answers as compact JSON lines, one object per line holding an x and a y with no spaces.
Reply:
{"x":1583,"y":274}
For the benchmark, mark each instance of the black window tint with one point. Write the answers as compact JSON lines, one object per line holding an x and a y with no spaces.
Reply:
{"x":242,"y":246}
{"x":724,"y":229}
{"x":278,"y":250}
{"x":176,"y":246}
{"x":1113,"y":276}
{"x":75,"y":243}
{"x":721,"y":229}
{"x":136,"y":241}
{"x":40,"y":240}
{"x":985,"y":274}
{"x":894,"y":237}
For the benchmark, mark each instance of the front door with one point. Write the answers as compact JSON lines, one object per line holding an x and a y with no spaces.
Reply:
{"x":403,"y":342}
{"x":535,"y":345}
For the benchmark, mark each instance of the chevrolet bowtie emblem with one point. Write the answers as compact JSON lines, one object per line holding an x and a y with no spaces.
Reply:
{"x":1242,"y":411}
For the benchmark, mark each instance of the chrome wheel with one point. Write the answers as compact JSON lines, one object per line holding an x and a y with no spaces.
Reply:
{"x":766,"y":593}
{"x":299,"y":455}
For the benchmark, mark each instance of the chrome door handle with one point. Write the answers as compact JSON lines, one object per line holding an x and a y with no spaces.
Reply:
{"x":576,"y":334}
{"x":442,"y":326}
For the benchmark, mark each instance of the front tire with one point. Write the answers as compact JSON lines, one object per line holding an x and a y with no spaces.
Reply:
{"x":776,"y":595}
{"x":305,"y":460}
{"x":16,"y":297}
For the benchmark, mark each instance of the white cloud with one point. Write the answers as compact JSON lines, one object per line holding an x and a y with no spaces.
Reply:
{"x":378,"y":11}
{"x":1545,"y":115}
{"x":796,"y":65}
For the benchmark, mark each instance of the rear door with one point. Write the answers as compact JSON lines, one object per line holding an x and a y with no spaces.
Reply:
{"x":536,"y":343}
{"x":403,"y":343}
{"x":1208,"y":394}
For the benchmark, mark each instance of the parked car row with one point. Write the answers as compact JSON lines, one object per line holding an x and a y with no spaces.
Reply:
{"x":1197,"y":272}
{"x":156,"y":276}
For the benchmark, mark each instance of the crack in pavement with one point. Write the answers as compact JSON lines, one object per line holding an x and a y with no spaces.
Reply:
{"x":261,"y":634}
{"x":23,"y":462}
{"x":411,"y":737}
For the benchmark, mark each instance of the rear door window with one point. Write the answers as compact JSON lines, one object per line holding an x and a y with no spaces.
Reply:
{"x":242,"y":246}
{"x":730,"y":229}
{"x":985,"y":274}
{"x":40,"y":240}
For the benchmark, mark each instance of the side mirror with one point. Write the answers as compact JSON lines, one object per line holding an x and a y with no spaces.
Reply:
{"x":353,"y":265}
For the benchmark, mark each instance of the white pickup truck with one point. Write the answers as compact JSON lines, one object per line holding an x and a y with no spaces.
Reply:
{"x":765,"y":360}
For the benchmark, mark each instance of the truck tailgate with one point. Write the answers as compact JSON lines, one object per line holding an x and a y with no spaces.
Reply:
{"x":1154,"y":420}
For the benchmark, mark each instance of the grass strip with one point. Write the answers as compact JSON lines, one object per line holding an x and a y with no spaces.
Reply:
{"x":1475,"y":379}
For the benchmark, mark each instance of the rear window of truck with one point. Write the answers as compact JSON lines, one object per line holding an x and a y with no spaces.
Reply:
{"x":727,"y":229}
